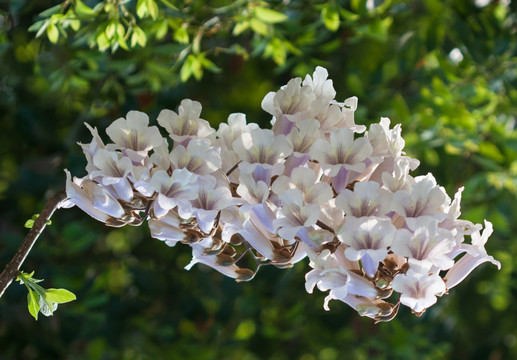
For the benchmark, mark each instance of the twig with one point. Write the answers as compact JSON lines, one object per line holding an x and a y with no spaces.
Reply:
{"x":11,"y":270}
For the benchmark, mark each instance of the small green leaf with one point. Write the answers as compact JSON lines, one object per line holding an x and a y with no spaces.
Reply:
{"x":111,"y":29}
{"x":52,"y":33}
{"x":181,"y":35}
{"x":42,"y":28}
{"x":59,"y":296}
{"x":141,"y":8}
{"x":37,"y":25}
{"x":259,"y":27}
{"x":29,"y":224}
{"x":51,"y":11}
{"x":240,"y":27}
{"x":192,"y":66}
{"x":161,"y":29}
{"x":209,"y":65}
{"x":102,"y":41}
{"x":153,"y":9}
{"x":75,"y":24}
{"x":33,"y":303}
{"x":83,"y":10}
{"x":330,"y":18}
{"x":122,"y":42}
{"x":169,"y":4}
{"x":138,"y":37}
{"x":269,"y":16}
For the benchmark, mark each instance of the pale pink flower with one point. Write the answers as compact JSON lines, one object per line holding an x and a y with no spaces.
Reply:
{"x":173,"y":190}
{"x":341,"y":156}
{"x":368,"y":239}
{"x":91,"y":149}
{"x":197,"y":157}
{"x":210,"y":200}
{"x":292,"y":102}
{"x":261,"y":146}
{"x":134,"y":135}
{"x":320,"y":84}
{"x":367,"y":199}
{"x":424,"y":243}
{"x":329,"y":274}
{"x":475,"y":256}
{"x":254,"y":187}
{"x":112,"y":171}
{"x":186,"y":124}
{"x":418,"y":289}
{"x":424,"y":197}
{"x":304,"y":179}
{"x":167,"y":229}
{"x":92,"y":198}
{"x":295,"y":214}
{"x":199,"y":257}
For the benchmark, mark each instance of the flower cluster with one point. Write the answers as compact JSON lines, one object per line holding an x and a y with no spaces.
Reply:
{"x":315,"y":185}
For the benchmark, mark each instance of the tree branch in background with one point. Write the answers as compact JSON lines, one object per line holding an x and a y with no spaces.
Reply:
{"x":11,"y":270}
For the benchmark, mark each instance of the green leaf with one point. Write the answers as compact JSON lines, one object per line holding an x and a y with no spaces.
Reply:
{"x":330,"y":18}
{"x":51,"y":11}
{"x":192,"y":66}
{"x":269,"y":16}
{"x":161,"y":29}
{"x":111,"y":29}
{"x":42,"y":28}
{"x":83,"y":10}
{"x":153,"y":9}
{"x":209,"y":65}
{"x":181,"y":35}
{"x":102,"y":41}
{"x":141,"y":8}
{"x":240,"y":27}
{"x":122,"y":42}
{"x":52,"y":33}
{"x":29,"y":224}
{"x":169,"y":4}
{"x":59,"y":296}
{"x":138,"y":37}
{"x":75,"y":24}
{"x":37,"y":25}
{"x":259,"y":27}
{"x":33,"y":303}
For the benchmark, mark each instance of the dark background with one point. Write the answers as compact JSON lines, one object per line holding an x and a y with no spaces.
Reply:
{"x":134,"y":300}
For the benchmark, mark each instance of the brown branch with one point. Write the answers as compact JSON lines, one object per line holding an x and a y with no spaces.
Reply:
{"x":11,"y":270}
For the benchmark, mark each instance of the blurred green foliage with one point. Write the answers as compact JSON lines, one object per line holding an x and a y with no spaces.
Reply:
{"x":446,"y":70}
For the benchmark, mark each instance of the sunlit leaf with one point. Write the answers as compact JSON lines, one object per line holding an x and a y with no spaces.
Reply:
{"x":269,"y":16}
{"x":52,"y":33}
{"x":33,"y":303}
{"x":240,"y":27}
{"x":259,"y":27}
{"x":59,"y":296}
{"x":82,"y":9}
{"x":330,"y":17}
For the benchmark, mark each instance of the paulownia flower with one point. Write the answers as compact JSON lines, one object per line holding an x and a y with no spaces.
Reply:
{"x":424,"y":197}
{"x":304,"y":179}
{"x":262,"y":147}
{"x":92,"y":198}
{"x":186,"y":124}
{"x":367,"y":199}
{"x":425,"y":243}
{"x":418,"y":289}
{"x":368,"y":239}
{"x":133,"y":135}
